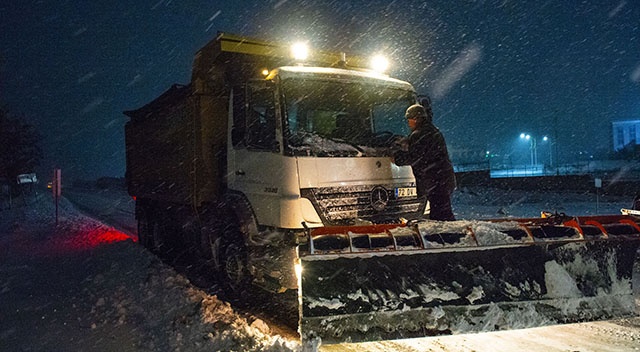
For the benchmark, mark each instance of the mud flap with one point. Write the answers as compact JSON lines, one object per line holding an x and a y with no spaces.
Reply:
{"x":381,"y":295}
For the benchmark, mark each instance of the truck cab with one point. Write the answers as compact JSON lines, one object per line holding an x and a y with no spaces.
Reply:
{"x":312,"y":145}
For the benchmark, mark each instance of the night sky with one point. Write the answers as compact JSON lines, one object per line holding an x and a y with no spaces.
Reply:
{"x":560,"y":68}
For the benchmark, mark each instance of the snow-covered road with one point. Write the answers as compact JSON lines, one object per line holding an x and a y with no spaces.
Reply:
{"x":84,"y":285}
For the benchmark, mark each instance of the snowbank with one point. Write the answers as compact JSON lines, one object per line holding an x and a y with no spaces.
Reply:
{"x":98,"y":290}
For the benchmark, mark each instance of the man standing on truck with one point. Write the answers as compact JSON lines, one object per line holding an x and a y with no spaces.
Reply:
{"x":426,"y":151}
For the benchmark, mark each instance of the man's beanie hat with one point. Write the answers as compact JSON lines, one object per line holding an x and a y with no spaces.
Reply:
{"x":415,"y":111}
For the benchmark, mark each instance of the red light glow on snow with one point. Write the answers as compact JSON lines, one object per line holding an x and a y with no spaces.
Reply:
{"x":89,"y":239}
{"x":67,"y":240}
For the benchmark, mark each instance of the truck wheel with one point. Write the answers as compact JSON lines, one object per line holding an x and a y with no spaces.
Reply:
{"x":156,"y":238}
{"x":209,"y":239}
{"x":144,"y":235}
{"x":234,"y":269}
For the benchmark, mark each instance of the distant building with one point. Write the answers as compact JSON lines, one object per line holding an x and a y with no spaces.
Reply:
{"x":625,"y":133}
{"x":466,"y":159}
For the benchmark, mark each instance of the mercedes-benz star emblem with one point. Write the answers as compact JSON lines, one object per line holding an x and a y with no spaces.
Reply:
{"x":379,"y":198}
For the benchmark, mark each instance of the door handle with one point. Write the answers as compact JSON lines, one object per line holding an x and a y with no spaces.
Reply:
{"x":240,"y":172}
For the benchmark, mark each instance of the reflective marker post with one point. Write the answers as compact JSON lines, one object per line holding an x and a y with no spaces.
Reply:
{"x":598,"y":184}
{"x":56,"y":187}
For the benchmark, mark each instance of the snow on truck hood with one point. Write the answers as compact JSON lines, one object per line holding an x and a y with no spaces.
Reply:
{"x":340,"y":73}
{"x":323,"y":172}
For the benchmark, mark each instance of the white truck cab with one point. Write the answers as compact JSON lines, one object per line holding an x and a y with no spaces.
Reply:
{"x":311,"y":145}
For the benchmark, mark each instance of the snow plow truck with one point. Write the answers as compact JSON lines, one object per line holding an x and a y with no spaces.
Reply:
{"x":276,"y":164}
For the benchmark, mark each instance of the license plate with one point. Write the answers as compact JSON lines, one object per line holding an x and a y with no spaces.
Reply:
{"x":402,"y":192}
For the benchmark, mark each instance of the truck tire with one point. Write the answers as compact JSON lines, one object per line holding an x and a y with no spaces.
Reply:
{"x":150,"y":230}
{"x":234,"y":261}
{"x":209,"y":251}
{"x":209,"y":237}
{"x":235,"y":269}
{"x":157,"y":243}
{"x":144,"y":234}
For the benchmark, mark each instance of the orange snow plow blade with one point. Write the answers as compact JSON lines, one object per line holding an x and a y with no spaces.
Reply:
{"x":381,"y":282}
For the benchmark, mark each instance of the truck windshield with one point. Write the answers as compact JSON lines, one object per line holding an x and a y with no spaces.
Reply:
{"x":334,"y":118}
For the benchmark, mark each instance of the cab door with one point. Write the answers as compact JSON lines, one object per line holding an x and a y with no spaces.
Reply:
{"x":255,"y":157}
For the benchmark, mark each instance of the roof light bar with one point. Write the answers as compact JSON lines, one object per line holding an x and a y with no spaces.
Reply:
{"x":300,"y":51}
{"x":379,"y":63}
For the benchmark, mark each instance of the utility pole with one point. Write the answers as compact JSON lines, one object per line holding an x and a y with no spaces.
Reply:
{"x":555,"y":141}
{"x":534,"y":151}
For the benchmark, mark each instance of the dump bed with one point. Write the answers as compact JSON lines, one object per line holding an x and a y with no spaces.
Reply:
{"x":174,"y":146}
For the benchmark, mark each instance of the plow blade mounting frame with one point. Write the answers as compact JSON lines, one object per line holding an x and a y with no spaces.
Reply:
{"x":439,"y":278}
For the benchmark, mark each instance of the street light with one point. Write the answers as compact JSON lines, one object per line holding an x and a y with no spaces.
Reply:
{"x":533,"y":147}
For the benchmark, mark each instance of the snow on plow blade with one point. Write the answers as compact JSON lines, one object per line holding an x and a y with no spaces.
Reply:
{"x":381,"y":282}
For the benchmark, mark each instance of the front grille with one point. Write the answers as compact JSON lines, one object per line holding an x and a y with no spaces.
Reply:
{"x":345,"y":205}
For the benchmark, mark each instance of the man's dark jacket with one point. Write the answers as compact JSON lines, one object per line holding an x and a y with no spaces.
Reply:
{"x":429,"y":160}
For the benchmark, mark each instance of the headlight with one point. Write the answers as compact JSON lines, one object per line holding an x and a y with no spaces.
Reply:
{"x":298,"y":269}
